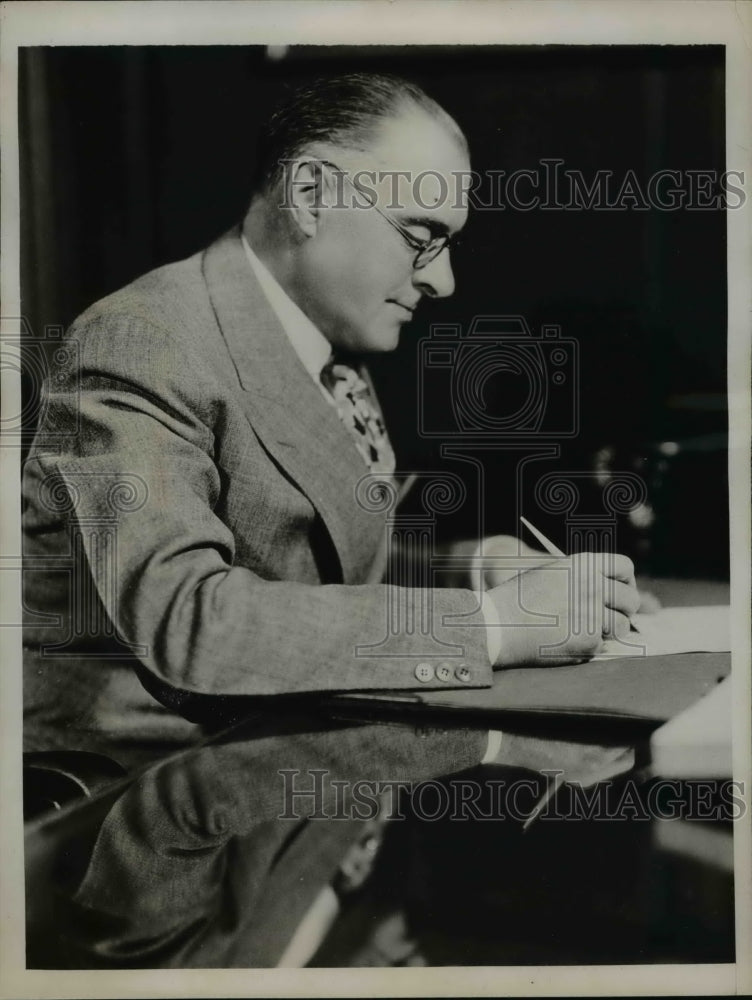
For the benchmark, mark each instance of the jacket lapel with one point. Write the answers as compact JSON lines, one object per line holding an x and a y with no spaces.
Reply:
{"x":287,"y":410}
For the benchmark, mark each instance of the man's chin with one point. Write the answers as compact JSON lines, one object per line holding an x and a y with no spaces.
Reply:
{"x":373,"y":340}
{"x":379,"y":341}
{"x":392,"y":342}
{"x":390,"y":337}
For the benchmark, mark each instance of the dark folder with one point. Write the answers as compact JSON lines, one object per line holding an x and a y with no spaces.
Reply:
{"x":646,"y":690}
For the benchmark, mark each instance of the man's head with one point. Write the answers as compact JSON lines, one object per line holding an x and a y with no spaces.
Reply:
{"x":355,"y":174}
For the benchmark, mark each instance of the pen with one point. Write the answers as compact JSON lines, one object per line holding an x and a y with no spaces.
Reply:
{"x":547,"y":545}
{"x":554,"y":551}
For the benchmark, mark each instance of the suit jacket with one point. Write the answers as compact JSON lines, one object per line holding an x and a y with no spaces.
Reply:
{"x":196,"y":528}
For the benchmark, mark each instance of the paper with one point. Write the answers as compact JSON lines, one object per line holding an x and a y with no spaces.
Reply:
{"x":697,"y":742}
{"x":675,"y":630}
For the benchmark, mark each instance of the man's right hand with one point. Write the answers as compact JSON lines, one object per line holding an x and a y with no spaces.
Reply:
{"x":559,"y":613}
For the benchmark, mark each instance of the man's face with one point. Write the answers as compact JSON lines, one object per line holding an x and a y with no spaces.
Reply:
{"x":361,"y":285}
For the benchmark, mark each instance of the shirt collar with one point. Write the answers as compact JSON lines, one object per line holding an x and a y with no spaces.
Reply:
{"x":311,"y":346}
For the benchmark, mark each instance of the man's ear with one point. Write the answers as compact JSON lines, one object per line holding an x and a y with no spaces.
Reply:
{"x":306,"y":194}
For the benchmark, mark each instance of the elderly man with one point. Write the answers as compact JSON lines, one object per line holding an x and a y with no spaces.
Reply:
{"x":215,"y":429}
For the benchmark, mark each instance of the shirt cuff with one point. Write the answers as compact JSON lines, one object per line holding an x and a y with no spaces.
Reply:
{"x":494,"y":745}
{"x":493,"y":626}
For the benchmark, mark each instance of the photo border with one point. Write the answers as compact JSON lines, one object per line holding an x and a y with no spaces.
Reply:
{"x":423,"y":22}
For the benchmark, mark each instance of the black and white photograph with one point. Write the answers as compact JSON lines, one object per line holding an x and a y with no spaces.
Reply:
{"x":375,"y":526}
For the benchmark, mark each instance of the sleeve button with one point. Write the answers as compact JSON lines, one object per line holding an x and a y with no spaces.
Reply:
{"x":462,"y":674}
{"x":424,"y":672}
{"x":444,"y":672}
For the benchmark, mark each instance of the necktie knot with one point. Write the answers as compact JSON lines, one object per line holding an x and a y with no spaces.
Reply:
{"x":357,"y":410}
{"x":342,"y":381}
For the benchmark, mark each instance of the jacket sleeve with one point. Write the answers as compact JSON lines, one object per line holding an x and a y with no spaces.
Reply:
{"x":143,"y":457}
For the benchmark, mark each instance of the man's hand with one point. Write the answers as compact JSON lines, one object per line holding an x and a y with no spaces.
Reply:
{"x":559,"y":613}
{"x":500,"y":558}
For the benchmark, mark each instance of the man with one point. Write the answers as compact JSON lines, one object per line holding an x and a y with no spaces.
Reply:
{"x":200,"y":539}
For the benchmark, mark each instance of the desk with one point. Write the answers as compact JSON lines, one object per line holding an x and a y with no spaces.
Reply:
{"x":565,"y":892}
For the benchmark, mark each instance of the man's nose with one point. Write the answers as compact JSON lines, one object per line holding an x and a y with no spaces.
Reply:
{"x":437,"y":278}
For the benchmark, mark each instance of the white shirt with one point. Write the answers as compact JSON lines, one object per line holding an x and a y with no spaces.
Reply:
{"x":314,"y":351}
{"x":311,"y":346}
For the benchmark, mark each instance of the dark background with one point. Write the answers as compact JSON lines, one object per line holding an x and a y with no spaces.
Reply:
{"x":135,"y":156}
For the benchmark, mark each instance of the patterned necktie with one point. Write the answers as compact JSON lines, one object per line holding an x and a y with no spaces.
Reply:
{"x":357,"y":411}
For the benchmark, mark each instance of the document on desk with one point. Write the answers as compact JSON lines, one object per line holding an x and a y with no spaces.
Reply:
{"x":675,"y":630}
{"x":696,"y":743}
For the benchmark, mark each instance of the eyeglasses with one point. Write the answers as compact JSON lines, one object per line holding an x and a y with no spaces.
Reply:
{"x":425,"y":250}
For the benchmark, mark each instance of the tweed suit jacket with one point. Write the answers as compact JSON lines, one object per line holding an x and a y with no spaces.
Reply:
{"x":195,"y":531}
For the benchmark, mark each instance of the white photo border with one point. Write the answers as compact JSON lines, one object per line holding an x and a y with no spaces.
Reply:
{"x":372,"y":22}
